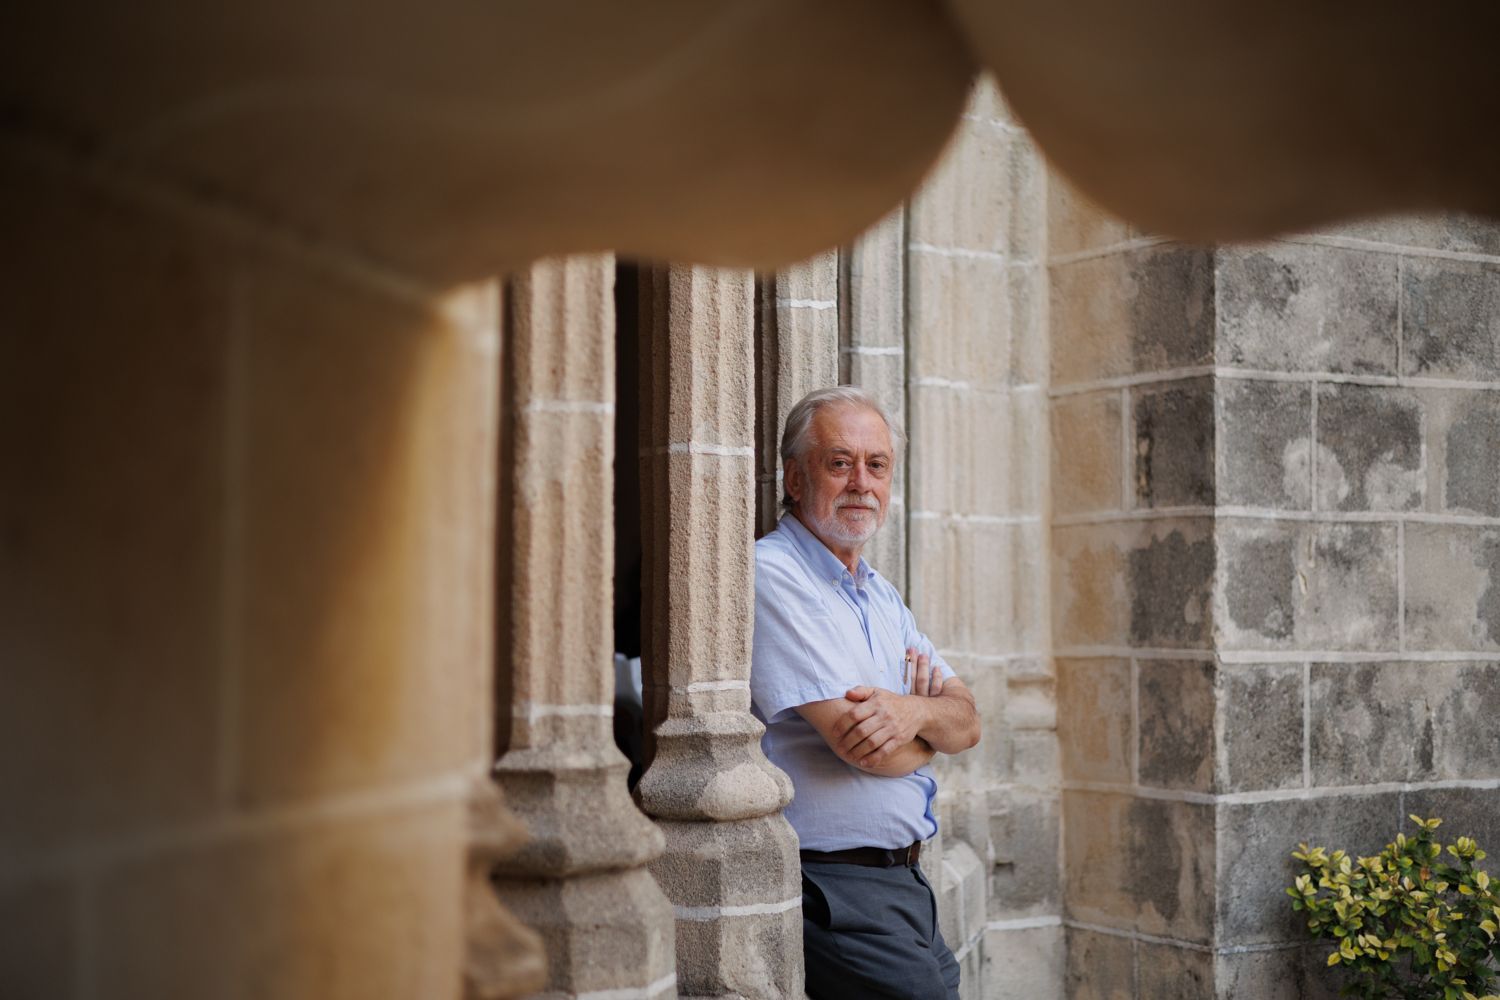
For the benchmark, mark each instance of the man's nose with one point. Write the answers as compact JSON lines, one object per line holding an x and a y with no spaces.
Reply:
{"x":859,"y":481}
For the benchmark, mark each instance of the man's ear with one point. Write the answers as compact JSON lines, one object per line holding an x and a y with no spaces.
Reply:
{"x":792,"y":479}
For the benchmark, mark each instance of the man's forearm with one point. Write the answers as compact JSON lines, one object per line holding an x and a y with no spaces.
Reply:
{"x":953,"y":720}
{"x":916,"y":754}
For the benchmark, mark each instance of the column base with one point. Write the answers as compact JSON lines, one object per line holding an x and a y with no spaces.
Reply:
{"x":736,"y":888}
{"x":607,"y":931}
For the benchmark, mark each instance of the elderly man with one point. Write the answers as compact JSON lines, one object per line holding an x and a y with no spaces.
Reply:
{"x":856,"y":701}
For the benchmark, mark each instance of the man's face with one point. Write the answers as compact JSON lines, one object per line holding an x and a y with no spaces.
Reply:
{"x":842,"y":484}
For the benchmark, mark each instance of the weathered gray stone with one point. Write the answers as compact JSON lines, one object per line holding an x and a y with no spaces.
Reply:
{"x":1259,"y":975}
{"x":1264,"y":444}
{"x":1171,"y":308}
{"x":1451,"y":318}
{"x":1260,"y":743}
{"x":1023,"y":964}
{"x":1465,"y":812}
{"x":1471,"y":455}
{"x":1024,"y":832}
{"x":1170,"y":578}
{"x":1174,"y":444}
{"x":1150,"y":309}
{"x":1307,"y":584}
{"x":1463,"y":233}
{"x":1452,"y":587}
{"x":1165,"y":972}
{"x":1035,"y":755}
{"x":1099,"y":966}
{"x":1369,"y":449}
{"x":1255,"y":841}
{"x":1176,"y":725}
{"x":1140,"y":864}
{"x":1374,"y":722}
{"x":1286,"y":307}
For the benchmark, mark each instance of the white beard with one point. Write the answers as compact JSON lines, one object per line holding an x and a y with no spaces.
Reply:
{"x":844,"y":532}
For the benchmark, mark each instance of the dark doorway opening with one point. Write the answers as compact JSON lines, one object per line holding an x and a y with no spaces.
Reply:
{"x":629,"y":555}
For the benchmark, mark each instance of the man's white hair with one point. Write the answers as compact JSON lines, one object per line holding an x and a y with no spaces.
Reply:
{"x":795,"y":438}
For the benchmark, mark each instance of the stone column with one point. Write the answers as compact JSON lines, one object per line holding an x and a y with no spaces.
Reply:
{"x":976,"y":388}
{"x":872,"y":355}
{"x":730,"y":867}
{"x":581,"y":880}
{"x":797,"y":351}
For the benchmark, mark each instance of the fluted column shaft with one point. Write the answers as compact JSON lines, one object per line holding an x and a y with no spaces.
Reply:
{"x":581,"y":880}
{"x":730,"y":866}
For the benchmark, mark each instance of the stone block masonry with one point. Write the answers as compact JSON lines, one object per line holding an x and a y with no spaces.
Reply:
{"x":1274,"y":535}
{"x":977,"y":567}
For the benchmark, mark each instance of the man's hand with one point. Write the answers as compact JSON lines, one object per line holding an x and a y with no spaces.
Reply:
{"x":878,"y":722}
{"x":924,"y":681}
{"x":892,"y":734}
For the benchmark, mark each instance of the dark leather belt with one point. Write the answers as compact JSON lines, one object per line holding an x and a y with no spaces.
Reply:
{"x":870,"y":857}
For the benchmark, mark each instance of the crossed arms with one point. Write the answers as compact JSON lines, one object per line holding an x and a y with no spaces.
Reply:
{"x":891,"y":734}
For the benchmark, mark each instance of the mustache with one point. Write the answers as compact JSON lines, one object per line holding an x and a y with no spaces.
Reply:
{"x":866,"y":502}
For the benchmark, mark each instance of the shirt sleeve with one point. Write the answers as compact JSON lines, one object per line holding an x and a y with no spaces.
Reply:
{"x":914,"y":639}
{"x":797,"y":655}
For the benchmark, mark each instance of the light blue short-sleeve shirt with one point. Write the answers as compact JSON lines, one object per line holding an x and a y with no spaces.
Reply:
{"x":819,"y":631}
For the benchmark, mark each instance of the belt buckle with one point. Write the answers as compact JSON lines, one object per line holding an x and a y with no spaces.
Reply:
{"x":911,"y":853}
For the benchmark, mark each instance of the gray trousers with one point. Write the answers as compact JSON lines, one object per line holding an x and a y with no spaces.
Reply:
{"x":872,"y":932}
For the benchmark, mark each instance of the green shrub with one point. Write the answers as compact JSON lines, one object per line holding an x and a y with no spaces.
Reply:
{"x":1408,"y":923}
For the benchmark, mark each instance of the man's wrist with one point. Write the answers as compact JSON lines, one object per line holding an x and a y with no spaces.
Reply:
{"x":926,"y":710}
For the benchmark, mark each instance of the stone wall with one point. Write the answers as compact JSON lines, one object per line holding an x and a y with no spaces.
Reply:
{"x":250,"y":577}
{"x":940,"y":314}
{"x":1271,"y":509}
{"x":977,"y":479}
{"x":939,"y":311}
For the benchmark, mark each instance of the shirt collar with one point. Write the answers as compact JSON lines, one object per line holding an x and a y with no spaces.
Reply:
{"x":829,"y":566}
